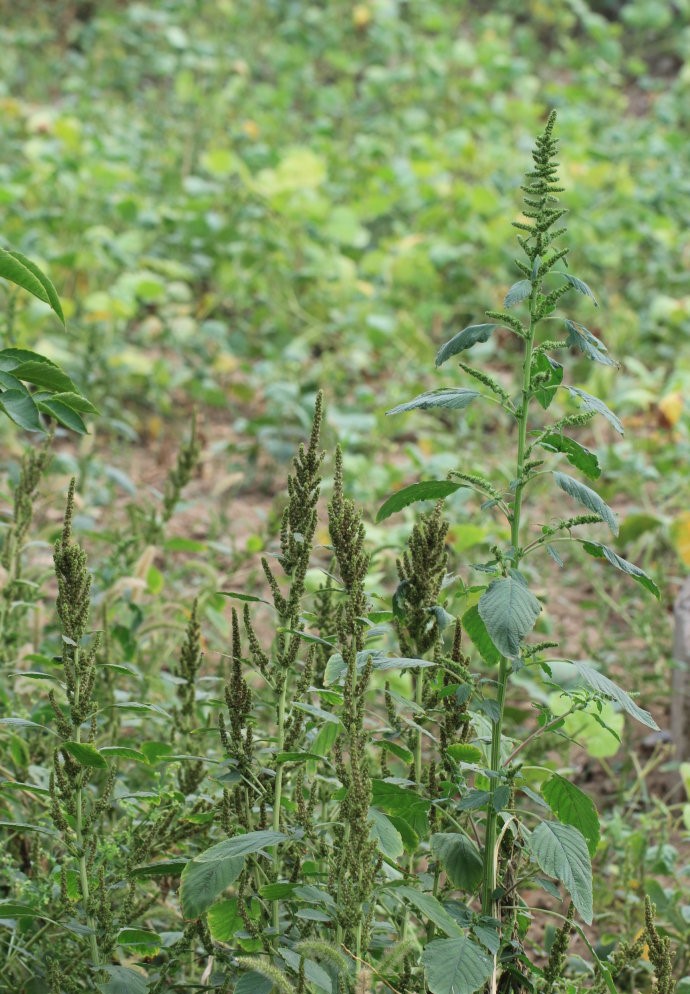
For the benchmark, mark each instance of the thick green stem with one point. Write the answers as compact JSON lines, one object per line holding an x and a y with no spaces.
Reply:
{"x":78,"y":828}
{"x":490,"y":856}
{"x":277,"y":796}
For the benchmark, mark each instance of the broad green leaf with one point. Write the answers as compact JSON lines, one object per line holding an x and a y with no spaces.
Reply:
{"x":580,"y":286}
{"x":76,"y":402}
{"x":456,"y":966}
{"x":608,"y":688}
{"x":518,"y":291}
{"x":46,"y":375}
{"x":314,"y":973}
{"x":336,"y":667}
{"x":599,"y":551}
{"x":63,"y":414}
{"x":202,"y":882}
{"x":590,"y":403}
{"x":455,"y":398}
{"x":240,"y":845}
{"x":428,"y":490}
{"x":561,"y":852}
{"x":473,"y":624}
{"x":581,"y":338}
{"x":123,"y":980}
{"x":546,"y":391}
{"x":464,"y":752}
{"x":509,"y":610}
{"x":460,"y":858}
{"x":576,"y":454}
{"x":224,"y":920}
{"x":242,"y":597}
{"x":573,"y":807}
{"x":10,"y":909}
{"x":588,"y":498}
{"x":25,"y":723}
{"x":19,"y":406}
{"x":385,"y":834}
{"x":464,"y":339}
{"x":51,"y":296}
{"x":400,"y":802}
{"x":163,"y":868}
{"x":124,"y":752}
{"x":253,"y":982}
{"x":139,"y":939}
{"x":316,"y":712}
{"x":431,"y":908}
{"x":85,"y":754}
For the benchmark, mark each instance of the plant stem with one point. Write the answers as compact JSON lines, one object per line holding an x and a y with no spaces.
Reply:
{"x":78,"y":818}
{"x":490,"y":861}
{"x":278,"y":793}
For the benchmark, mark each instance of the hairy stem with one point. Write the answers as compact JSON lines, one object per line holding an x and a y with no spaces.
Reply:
{"x":78,"y":818}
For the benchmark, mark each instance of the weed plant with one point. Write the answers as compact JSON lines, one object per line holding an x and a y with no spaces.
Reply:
{"x":344,"y":805}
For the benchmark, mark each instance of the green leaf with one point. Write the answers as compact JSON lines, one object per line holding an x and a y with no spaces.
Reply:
{"x":51,"y":296}
{"x":85,"y":755}
{"x":454,"y":398}
{"x":581,"y":338}
{"x":588,"y":498}
{"x":464,"y":339}
{"x":139,"y":939}
{"x":554,"y":377}
{"x":460,"y":859}
{"x":518,"y":291}
{"x":224,"y":920}
{"x":577,"y":455}
{"x":580,"y":286}
{"x":209,"y":873}
{"x":509,"y":610}
{"x":476,"y":629}
{"x":242,"y":597}
{"x":599,"y":551}
{"x":76,"y":402}
{"x":10,"y":909}
{"x":124,"y":752}
{"x":456,"y":966}
{"x":46,"y":375}
{"x":314,"y":973}
{"x":63,"y":414}
{"x":19,"y":406}
{"x":464,"y":752}
{"x":561,"y":852}
{"x":387,"y":837}
{"x":400,"y":802}
{"x":123,"y":980}
{"x":597,"y":681}
{"x":253,"y":982}
{"x":590,"y":403}
{"x":428,"y":490}
{"x":25,"y":723}
{"x":573,"y":807}
{"x":163,"y":868}
{"x":431,"y":908}
{"x":16,"y":268}
{"x":336,"y":667}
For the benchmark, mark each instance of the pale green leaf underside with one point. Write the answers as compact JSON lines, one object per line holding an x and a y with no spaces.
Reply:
{"x":597,"y":681}
{"x":509,"y":610}
{"x":427,"y":490}
{"x":599,"y":551}
{"x":455,"y":966}
{"x":588,"y":498}
{"x":464,"y":339}
{"x":590,"y":403}
{"x":561,"y":852}
{"x":455,"y":398}
{"x":573,"y":807}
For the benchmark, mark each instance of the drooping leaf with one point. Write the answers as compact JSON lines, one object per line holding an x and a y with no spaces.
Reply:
{"x":20,"y":407}
{"x":455,"y":398}
{"x":427,"y":490}
{"x":141,"y":940}
{"x":608,"y":688}
{"x":546,"y":391}
{"x":123,"y":980}
{"x":63,"y":414}
{"x":509,"y":610}
{"x":240,"y":845}
{"x":403,"y":803}
{"x":314,"y":973}
{"x":473,"y":624}
{"x":460,"y":858}
{"x":561,"y":852}
{"x":581,"y":338}
{"x":85,"y":755}
{"x":576,"y":454}
{"x":573,"y":807}
{"x":51,"y":296}
{"x":518,"y":291}
{"x":336,"y":666}
{"x":588,"y":498}
{"x":590,"y":403}
{"x":253,"y":982}
{"x":456,"y":966}
{"x":431,"y":908}
{"x":46,"y":375}
{"x":599,"y":551}
{"x":580,"y":286}
{"x":385,"y":834}
{"x":464,"y":339}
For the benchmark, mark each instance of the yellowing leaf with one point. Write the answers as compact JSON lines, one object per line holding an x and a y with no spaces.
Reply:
{"x":680,"y":536}
{"x":671,"y":407}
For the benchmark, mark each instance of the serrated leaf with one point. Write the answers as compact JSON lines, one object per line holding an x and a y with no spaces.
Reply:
{"x":385,"y":834}
{"x":590,"y":403}
{"x":76,"y":401}
{"x":124,"y":752}
{"x":51,"y":297}
{"x":456,"y":966}
{"x":464,"y":339}
{"x":85,"y":755}
{"x":576,"y":454}
{"x":431,"y":908}
{"x":19,"y":406}
{"x":253,"y":982}
{"x":46,"y":375}
{"x":464,"y":752}
{"x":473,"y":624}
{"x":459,"y":857}
{"x":582,"y":338}
{"x":554,"y":370}
{"x":509,"y":610}
{"x":163,"y":868}
{"x":580,"y":286}
{"x":123,"y":980}
{"x":518,"y":291}
{"x":314,"y":973}
{"x":427,"y":490}
{"x":144,"y":942}
{"x":63,"y":414}
{"x":455,"y":398}
{"x":561,"y":852}
{"x":599,"y":551}
{"x":588,"y":498}
{"x":608,"y":688}
{"x":573,"y":807}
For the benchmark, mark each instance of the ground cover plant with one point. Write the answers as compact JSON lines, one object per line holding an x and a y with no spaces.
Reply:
{"x":340,"y":788}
